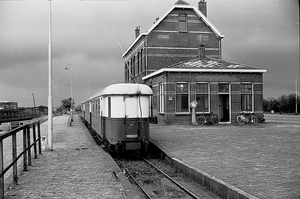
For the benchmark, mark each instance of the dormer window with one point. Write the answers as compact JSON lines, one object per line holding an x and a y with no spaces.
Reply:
{"x":182,"y":25}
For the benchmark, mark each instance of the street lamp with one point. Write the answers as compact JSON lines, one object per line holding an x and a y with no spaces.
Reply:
{"x":72,"y":97}
{"x":296,"y":97}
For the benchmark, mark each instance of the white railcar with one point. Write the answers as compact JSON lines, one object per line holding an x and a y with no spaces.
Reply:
{"x":120,"y":115}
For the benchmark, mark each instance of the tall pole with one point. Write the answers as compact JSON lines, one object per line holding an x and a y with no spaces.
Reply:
{"x":50,"y":119}
{"x":296,"y":82}
{"x":72,"y":95}
{"x":72,"y":91}
{"x":34,"y":105}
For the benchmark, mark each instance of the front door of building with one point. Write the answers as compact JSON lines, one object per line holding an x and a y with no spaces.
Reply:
{"x":224,"y":108}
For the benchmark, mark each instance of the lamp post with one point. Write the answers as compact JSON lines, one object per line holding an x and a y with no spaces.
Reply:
{"x":296,"y":97}
{"x":72,"y":97}
{"x":50,"y":99}
{"x":34,"y":112}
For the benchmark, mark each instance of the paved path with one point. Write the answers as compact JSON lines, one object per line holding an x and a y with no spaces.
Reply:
{"x":283,"y":119}
{"x":76,"y":168}
{"x":262,"y":160}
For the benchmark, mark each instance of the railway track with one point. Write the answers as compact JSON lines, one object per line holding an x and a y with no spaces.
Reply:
{"x":158,"y":180}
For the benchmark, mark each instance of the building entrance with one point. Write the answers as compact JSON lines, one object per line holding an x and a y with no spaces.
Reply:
{"x":224,"y":113}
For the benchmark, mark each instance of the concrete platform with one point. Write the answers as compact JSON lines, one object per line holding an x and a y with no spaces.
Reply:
{"x":76,"y":168}
{"x":259,"y":161}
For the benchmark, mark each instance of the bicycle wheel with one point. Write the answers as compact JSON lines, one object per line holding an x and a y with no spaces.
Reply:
{"x":240,"y":120}
{"x":201,"y":120}
{"x":214,"y":119}
{"x":254,"y":119}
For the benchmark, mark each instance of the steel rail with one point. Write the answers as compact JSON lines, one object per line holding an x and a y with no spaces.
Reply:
{"x":174,"y":181}
{"x":138,"y":184}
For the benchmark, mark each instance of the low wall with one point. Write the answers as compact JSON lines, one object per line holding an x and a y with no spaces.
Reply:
{"x":210,"y":182}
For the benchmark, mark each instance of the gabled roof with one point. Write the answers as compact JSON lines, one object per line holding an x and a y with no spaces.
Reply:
{"x":199,"y":13}
{"x":208,"y":65}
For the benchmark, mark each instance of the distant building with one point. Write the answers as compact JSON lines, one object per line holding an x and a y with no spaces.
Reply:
{"x":180,"y":57}
{"x":6,"y":105}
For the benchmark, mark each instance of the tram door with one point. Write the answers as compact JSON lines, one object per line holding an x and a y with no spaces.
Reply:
{"x":131,"y":117}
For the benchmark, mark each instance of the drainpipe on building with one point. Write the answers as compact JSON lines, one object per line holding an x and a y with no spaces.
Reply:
{"x":146,"y":54}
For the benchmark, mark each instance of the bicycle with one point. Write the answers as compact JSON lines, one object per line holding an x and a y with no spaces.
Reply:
{"x":205,"y":118}
{"x":246,"y":117}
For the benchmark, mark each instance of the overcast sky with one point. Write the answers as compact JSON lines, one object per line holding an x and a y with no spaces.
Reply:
{"x":263,"y":33}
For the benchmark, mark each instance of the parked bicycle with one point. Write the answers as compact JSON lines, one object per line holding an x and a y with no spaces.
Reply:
{"x":206,"y":118}
{"x":246,"y":117}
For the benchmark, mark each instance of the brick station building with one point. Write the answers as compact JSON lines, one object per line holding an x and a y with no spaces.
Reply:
{"x":180,"y":58}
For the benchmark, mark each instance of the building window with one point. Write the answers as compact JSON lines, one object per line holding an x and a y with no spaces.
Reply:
{"x":126,"y":72}
{"x":142,"y":65}
{"x":133,"y":66}
{"x":138,"y":63}
{"x":182,"y":25}
{"x":223,"y":88}
{"x":161,"y":98}
{"x":129,"y":70}
{"x":246,"y":97}
{"x":182,"y":97}
{"x":202,"y":97}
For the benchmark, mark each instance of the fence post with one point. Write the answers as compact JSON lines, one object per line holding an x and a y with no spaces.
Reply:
{"x":39,"y":137}
{"x":24,"y":150}
{"x":34,"y":141}
{"x":14,"y":154}
{"x":28,"y":145}
{"x":1,"y":170}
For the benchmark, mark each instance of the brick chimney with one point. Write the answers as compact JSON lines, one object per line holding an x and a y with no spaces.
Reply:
{"x":201,"y":52}
{"x":202,"y":7}
{"x":137,"y":32}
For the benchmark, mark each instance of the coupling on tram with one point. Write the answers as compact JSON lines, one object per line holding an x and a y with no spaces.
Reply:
{"x":120,"y":115}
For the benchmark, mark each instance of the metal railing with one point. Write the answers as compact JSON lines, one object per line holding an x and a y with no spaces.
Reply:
{"x":26,"y":153}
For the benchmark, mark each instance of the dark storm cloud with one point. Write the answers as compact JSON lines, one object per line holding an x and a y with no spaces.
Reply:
{"x":85,"y":33}
{"x":22,"y":56}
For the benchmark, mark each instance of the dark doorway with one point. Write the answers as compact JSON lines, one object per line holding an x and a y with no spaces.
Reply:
{"x":224,"y":113}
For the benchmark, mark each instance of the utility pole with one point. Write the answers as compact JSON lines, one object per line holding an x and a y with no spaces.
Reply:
{"x":72,"y":91}
{"x":50,"y":98}
{"x":34,"y":105}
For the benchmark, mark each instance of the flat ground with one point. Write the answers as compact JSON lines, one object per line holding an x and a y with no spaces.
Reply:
{"x":263,"y":160}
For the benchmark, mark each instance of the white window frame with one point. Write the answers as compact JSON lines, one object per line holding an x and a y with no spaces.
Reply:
{"x":252,"y":96}
{"x":188,"y":93}
{"x":183,"y":21}
{"x":208,"y":94}
{"x":162,"y":87}
{"x":229,"y":90}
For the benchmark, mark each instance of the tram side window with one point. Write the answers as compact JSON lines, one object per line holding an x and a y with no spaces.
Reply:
{"x":99,"y":106}
{"x":109,"y":107}
{"x":93,"y":106}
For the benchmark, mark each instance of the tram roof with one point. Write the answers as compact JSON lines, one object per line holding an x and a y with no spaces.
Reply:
{"x":123,"y":89}
{"x":127,"y":88}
